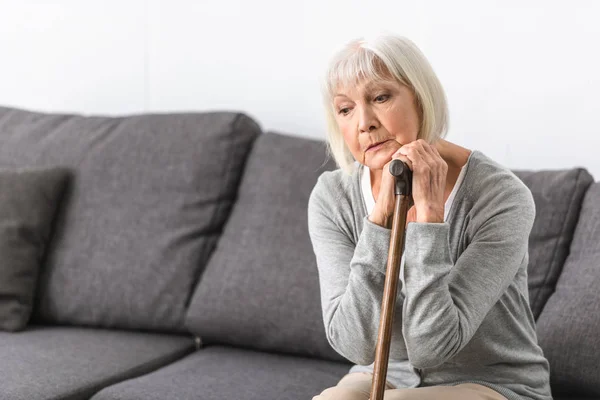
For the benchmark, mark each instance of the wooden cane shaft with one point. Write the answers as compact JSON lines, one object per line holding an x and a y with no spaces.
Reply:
{"x":388,"y":305}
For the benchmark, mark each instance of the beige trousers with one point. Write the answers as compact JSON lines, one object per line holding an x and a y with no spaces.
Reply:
{"x":357,"y":386}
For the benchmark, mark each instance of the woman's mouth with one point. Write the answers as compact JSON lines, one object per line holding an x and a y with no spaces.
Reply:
{"x":377,"y":147}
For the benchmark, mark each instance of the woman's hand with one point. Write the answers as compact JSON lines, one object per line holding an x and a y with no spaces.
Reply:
{"x":428,"y":187}
{"x":429,"y":180}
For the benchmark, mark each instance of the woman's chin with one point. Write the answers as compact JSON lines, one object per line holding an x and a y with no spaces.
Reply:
{"x":383,"y":156}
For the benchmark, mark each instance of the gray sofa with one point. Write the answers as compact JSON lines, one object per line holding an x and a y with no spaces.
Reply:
{"x":180,"y":265}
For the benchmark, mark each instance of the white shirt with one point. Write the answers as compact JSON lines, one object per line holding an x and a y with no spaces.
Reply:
{"x":365,"y":183}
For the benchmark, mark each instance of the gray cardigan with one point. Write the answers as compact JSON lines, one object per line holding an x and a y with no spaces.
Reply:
{"x":466,"y":315}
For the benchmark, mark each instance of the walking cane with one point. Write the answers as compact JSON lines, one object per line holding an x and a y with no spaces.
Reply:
{"x":403,"y":192}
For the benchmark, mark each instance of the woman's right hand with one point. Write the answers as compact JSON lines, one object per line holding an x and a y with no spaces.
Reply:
{"x":386,"y":198}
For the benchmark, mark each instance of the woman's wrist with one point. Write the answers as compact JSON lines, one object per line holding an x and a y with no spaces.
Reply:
{"x":424,"y":217}
{"x":381,"y":220}
{"x":431,"y":215}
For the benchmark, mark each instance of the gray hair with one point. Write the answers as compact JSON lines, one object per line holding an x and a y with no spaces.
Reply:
{"x":372,"y":60}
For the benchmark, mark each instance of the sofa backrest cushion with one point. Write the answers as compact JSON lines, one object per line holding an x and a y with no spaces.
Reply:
{"x":558,"y":195}
{"x":146,"y":205}
{"x":260,"y":288}
{"x":569,"y":326}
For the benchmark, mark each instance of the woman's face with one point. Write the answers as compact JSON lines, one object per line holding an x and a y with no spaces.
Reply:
{"x":373,"y":112}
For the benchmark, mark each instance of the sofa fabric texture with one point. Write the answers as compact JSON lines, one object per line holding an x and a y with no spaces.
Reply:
{"x":72,"y":363}
{"x":146,"y":206}
{"x":558,"y":196}
{"x":219,"y":372}
{"x":569,"y":326}
{"x":265,"y":257}
{"x":29,"y":199}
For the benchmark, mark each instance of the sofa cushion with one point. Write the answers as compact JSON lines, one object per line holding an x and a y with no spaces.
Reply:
{"x":149,"y":198}
{"x":569,"y":326}
{"x":67,"y":363}
{"x":557,"y":195}
{"x":217,"y":373}
{"x":261,"y":288}
{"x":29,"y":199}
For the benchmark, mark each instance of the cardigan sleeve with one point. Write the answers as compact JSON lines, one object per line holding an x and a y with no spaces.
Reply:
{"x":447,"y":301}
{"x":351,"y":278}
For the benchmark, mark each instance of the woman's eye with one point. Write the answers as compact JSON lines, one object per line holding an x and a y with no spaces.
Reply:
{"x":344,"y":111}
{"x":381,"y":98}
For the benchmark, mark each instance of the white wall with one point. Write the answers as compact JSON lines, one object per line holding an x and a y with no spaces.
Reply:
{"x":522,"y":78}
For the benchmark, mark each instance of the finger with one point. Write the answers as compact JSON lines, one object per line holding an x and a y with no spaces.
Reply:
{"x":431,"y":156}
{"x":425,"y":151}
{"x":397,"y":155}
{"x":438,"y":157}
{"x":415,"y":155}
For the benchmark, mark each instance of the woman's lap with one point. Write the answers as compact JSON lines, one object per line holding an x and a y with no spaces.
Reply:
{"x":357,"y":386}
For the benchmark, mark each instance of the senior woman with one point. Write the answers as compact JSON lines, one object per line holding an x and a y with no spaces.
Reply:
{"x":463,"y":328}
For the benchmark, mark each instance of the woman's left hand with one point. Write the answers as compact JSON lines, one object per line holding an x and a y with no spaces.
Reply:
{"x":429,"y":181}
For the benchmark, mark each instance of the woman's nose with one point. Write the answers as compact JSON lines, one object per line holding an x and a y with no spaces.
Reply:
{"x":367,"y":120}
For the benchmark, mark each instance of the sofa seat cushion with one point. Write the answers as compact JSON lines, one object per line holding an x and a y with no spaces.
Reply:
{"x":44,"y":362}
{"x":148,"y":200}
{"x":219,"y":372}
{"x":569,"y":326}
{"x":558,"y":195}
